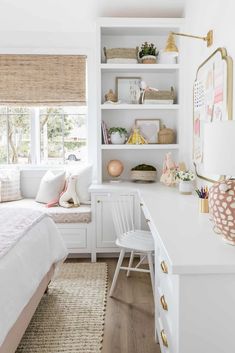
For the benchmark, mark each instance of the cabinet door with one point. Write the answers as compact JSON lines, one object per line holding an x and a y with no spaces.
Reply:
{"x":105,"y":232}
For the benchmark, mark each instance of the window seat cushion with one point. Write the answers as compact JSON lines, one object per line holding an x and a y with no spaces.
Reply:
{"x":80,"y":214}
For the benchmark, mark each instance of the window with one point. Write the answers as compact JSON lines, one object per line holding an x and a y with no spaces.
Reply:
{"x":49,"y":135}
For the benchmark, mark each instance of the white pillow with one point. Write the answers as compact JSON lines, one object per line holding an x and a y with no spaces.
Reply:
{"x":50,"y":187}
{"x":83,"y":183}
{"x":10,"y":185}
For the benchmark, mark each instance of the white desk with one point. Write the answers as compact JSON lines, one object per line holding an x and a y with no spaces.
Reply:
{"x":199,"y":288}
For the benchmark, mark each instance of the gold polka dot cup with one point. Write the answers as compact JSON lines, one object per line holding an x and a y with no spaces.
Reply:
{"x":222,"y":209}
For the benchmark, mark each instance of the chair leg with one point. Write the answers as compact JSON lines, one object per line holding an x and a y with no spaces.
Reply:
{"x":130,"y":263}
{"x":150,"y":261}
{"x":121,"y":256}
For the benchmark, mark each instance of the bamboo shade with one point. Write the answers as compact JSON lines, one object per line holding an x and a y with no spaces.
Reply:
{"x":43,"y":79}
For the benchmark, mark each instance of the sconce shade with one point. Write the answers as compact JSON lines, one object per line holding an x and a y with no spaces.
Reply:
{"x":170,"y":44}
{"x":219,"y":148}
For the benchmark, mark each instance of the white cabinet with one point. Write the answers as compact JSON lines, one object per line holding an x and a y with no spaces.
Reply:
{"x":104,"y":229}
{"x":105,"y":233}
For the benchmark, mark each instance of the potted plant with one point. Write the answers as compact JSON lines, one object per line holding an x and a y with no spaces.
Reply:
{"x":118,"y":135}
{"x":148,"y":53}
{"x":144,"y":173}
{"x":185,"y":181}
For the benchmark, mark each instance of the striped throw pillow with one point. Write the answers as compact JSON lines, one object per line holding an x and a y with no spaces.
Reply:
{"x":10,"y":185}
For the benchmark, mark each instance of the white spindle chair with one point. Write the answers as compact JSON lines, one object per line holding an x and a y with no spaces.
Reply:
{"x":130,"y":239}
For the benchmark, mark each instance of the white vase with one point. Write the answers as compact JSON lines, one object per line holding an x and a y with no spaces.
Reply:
{"x":185,"y":187}
{"x":117,"y":139}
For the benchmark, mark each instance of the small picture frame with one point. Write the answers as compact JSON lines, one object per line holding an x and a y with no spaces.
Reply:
{"x":149,"y":129}
{"x":128,"y":89}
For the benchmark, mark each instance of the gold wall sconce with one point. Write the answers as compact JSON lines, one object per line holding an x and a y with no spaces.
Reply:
{"x":171,"y":46}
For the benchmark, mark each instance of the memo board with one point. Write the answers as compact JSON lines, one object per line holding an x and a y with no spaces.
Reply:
{"x":212,"y":100}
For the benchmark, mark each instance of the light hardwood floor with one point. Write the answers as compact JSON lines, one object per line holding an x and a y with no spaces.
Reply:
{"x":129,"y":323}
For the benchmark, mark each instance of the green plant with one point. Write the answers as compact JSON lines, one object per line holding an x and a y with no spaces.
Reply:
{"x":145,"y":167}
{"x":120,"y":130}
{"x":148,"y":49}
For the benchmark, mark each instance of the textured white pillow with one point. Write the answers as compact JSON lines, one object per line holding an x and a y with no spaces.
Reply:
{"x":50,"y":187}
{"x":84,"y":181}
{"x":10,"y":185}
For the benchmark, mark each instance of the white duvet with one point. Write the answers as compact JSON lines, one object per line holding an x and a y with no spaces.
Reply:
{"x":23,"y":268}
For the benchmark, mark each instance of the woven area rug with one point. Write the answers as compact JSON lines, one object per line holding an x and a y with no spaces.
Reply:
{"x":70,"y":318}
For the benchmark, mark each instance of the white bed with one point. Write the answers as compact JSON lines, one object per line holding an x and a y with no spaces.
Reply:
{"x":25,"y":269}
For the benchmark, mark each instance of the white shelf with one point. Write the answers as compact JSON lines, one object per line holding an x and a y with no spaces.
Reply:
{"x":140,"y":106}
{"x":140,"y":147}
{"x":139,"y":67}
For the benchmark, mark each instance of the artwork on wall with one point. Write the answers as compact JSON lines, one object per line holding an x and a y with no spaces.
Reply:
{"x":128,"y":89}
{"x":212,"y":99}
{"x":149,"y":129}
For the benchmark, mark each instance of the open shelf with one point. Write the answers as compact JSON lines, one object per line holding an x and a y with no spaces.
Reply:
{"x":139,"y":67}
{"x":140,"y":106}
{"x":140,"y":147}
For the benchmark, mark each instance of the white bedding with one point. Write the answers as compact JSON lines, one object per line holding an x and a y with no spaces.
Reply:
{"x":23,"y":268}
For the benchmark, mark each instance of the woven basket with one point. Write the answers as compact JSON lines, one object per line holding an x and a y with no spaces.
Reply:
{"x":121,"y":53}
{"x":166,"y":136}
{"x":159,"y":95}
{"x":143,"y":175}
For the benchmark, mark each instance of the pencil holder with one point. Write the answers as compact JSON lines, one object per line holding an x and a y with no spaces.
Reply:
{"x":203,"y":205}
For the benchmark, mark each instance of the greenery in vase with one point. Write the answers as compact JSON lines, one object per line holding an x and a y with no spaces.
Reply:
{"x":120,"y":130}
{"x":144,"y":167}
{"x":148,"y":49}
{"x":185,"y":175}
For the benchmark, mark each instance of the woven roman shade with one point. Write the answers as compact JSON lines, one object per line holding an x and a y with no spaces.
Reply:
{"x":42,"y":80}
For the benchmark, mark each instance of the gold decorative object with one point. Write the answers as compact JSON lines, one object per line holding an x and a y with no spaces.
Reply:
{"x":110,"y":96}
{"x":166,"y":135}
{"x":136,"y":138}
{"x":171,"y":46}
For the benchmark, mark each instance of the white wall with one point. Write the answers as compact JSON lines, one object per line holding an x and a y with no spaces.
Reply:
{"x":201,"y":16}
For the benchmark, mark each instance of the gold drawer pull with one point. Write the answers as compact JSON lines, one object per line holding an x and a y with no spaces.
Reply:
{"x":147,"y":220}
{"x":164,"y":338}
{"x":164,"y":267}
{"x":163,"y":303}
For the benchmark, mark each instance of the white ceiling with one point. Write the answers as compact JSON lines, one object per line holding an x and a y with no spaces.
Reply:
{"x":78,"y":15}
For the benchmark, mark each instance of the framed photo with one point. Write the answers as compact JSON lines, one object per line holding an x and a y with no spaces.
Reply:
{"x":128,"y":89}
{"x":149,"y":129}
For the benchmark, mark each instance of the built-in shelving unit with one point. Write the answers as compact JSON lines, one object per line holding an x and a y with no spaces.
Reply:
{"x":130,"y":33}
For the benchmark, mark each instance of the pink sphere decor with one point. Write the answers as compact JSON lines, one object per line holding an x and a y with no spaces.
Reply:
{"x":222,"y":209}
{"x":115,"y":168}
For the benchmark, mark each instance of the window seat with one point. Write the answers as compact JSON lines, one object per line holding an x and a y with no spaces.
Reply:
{"x":81,"y":214}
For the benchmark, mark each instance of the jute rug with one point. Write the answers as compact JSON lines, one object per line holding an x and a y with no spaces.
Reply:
{"x":70,"y":318}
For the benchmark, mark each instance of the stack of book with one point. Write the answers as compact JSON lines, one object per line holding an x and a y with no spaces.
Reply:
{"x":104,"y":133}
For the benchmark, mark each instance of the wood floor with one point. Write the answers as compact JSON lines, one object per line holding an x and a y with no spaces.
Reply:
{"x":129,"y":323}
